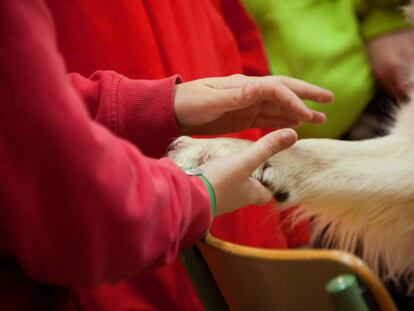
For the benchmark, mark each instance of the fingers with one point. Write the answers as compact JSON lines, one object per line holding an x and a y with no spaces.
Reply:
{"x":230,"y":176}
{"x":301,"y":88}
{"x":291,"y":104}
{"x":267,"y":146}
{"x":240,"y":97}
{"x":263,"y":121}
{"x":274,"y":122}
{"x":306,"y":90}
{"x":285,"y":99}
{"x":317,"y":118}
{"x":278,"y":96}
{"x":287,"y":104}
{"x":396,"y":80}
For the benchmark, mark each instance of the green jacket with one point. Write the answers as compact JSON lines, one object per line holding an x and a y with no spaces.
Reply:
{"x":323,"y":42}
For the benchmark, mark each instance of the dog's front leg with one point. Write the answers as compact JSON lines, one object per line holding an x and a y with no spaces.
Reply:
{"x":360,"y":195}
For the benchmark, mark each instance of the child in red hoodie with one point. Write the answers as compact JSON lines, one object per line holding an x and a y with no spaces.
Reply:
{"x":80,"y":204}
{"x":154,"y":39}
{"x":94,"y":209}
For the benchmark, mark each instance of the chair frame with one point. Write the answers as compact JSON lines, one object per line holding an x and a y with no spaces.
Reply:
{"x":214,"y":300}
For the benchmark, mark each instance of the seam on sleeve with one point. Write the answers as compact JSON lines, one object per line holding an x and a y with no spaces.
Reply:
{"x":114,"y":113}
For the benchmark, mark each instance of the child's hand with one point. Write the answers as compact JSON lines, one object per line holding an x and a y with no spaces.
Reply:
{"x":392,"y":56}
{"x":237,"y":102}
{"x":231,"y":178}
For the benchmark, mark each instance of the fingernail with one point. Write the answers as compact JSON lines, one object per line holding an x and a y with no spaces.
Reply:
{"x":289,"y":136}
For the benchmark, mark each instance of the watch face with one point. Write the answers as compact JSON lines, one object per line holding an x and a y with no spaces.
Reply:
{"x":194,"y":171}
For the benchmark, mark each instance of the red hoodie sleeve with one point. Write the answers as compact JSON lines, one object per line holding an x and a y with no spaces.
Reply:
{"x":248,"y":38}
{"x":79,"y":205}
{"x":140,"y":111}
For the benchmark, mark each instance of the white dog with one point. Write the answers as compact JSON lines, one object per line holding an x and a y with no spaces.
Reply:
{"x":360,"y":194}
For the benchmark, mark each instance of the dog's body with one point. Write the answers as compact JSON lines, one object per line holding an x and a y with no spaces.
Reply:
{"x":360,"y":194}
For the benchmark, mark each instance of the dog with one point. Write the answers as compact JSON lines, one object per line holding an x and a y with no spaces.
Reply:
{"x":359,"y":194}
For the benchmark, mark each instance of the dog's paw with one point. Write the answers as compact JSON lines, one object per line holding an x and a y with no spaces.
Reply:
{"x":190,"y":152}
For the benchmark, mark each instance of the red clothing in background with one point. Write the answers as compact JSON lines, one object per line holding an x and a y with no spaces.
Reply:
{"x":155,"y":39}
{"x":81,"y":206}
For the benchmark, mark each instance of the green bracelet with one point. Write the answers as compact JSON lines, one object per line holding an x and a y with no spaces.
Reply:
{"x":199,"y":173}
{"x":211,"y":193}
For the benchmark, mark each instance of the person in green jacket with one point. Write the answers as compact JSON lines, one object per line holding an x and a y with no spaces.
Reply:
{"x":348,"y":46}
{"x":352,"y":47}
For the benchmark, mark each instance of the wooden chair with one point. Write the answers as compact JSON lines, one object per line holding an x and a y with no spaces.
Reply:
{"x":229,"y":276}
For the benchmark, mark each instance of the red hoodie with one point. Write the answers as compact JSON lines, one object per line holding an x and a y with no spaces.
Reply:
{"x":155,"y":39}
{"x":81,"y":206}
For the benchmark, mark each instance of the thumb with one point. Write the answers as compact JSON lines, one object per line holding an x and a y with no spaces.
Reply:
{"x":238,"y":98}
{"x":265,"y":147}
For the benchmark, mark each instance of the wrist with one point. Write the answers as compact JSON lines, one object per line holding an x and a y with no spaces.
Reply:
{"x":179,"y":108}
{"x":199,"y":173}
